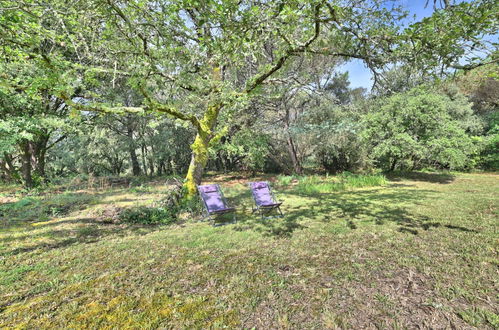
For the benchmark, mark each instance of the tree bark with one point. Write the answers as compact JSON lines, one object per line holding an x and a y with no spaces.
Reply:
{"x":394,"y":163}
{"x":298,"y":169}
{"x":8,"y":168}
{"x":143,"y":154}
{"x":200,"y":147}
{"x":4,"y":175}
{"x":26,"y":166}
{"x":39,"y":155}
{"x":40,"y":163}
{"x":133,"y":154}
{"x":199,"y":159}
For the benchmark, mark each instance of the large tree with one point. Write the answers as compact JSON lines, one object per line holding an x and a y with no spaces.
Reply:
{"x":31,"y":123}
{"x":199,"y":60}
{"x":421,"y":128}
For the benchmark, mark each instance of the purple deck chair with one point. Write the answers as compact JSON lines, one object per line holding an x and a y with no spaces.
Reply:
{"x":214,"y":202}
{"x":265,"y":200}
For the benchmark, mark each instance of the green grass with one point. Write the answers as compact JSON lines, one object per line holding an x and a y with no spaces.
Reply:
{"x":413,"y":250}
{"x":316,"y":184}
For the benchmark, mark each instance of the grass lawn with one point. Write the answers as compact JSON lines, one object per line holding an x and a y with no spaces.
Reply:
{"x":421,"y":250}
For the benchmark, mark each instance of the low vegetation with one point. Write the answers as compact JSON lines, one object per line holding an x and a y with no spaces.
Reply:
{"x":325,"y":184}
{"x":417,"y":249}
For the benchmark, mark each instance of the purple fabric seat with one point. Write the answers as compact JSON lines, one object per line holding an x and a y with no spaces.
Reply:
{"x":264,"y":198}
{"x":214,"y":200}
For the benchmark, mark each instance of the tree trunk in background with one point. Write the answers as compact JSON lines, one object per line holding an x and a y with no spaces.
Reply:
{"x":39,"y":153}
{"x":151,"y":167}
{"x":40,"y":163}
{"x":10,"y":171}
{"x":159,"y":168}
{"x":298,"y":169}
{"x":294,"y":158}
{"x":133,"y":153}
{"x":135,"y":162}
{"x":26,"y":166}
{"x":5,"y":173}
{"x":394,"y":163}
{"x":143,"y":156}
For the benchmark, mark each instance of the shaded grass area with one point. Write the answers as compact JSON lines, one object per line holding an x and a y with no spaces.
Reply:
{"x":413,"y":252}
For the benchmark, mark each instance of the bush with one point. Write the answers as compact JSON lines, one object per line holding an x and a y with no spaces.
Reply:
{"x":148,"y":215}
{"x":247,"y":150}
{"x":165,"y":211}
{"x":489,"y":156}
{"x":422,"y":128}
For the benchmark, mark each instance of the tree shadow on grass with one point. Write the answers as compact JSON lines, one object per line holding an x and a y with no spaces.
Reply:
{"x":374,"y":205}
{"x":91,"y":232}
{"x":442,"y":178}
{"x":272,"y":225}
{"x":36,"y":221}
{"x":377,"y":205}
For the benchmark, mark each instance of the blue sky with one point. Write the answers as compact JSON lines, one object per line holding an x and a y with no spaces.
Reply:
{"x":359,"y":74}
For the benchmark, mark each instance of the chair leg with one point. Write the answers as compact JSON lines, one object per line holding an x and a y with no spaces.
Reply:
{"x":264,"y":212}
{"x":213,"y":219}
{"x":280,"y":212}
{"x":206,"y":216}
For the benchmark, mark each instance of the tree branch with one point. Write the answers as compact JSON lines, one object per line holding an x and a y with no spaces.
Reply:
{"x":260,"y":78}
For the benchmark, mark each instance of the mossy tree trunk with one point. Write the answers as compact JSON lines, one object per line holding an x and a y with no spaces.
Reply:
{"x":198,"y":162}
{"x":200,"y":148}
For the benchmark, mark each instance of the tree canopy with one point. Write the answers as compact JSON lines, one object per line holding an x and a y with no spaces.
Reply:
{"x":204,"y":62}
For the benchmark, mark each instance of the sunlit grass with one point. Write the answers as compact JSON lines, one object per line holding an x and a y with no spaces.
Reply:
{"x":316,"y":184}
{"x":415,"y":251}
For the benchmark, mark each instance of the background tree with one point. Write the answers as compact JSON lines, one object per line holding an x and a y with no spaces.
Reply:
{"x":32,"y":122}
{"x":422,"y":128}
{"x":198,"y":61}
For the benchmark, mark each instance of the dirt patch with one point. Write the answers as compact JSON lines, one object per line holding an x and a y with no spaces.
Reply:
{"x":110,"y":214}
{"x":8,"y":199}
{"x":404,"y":299}
{"x":232,"y":180}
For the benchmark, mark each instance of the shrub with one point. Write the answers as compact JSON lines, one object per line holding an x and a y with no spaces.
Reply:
{"x":421,"y":128}
{"x":148,"y":215}
{"x":165,"y":211}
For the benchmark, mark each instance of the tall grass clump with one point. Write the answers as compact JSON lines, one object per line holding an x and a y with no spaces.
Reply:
{"x":285,"y":180}
{"x":318,"y":184}
{"x":359,"y":180}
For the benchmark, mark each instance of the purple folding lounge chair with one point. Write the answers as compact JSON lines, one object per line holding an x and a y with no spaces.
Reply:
{"x":264,"y":199}
{"x":214,"y":202}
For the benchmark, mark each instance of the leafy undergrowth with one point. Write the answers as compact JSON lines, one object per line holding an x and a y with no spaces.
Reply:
{"x":420,"y":250}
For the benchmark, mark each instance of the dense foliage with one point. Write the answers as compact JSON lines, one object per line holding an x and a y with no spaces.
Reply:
{"x":111,"y":87}
{"x":420,"y":129}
